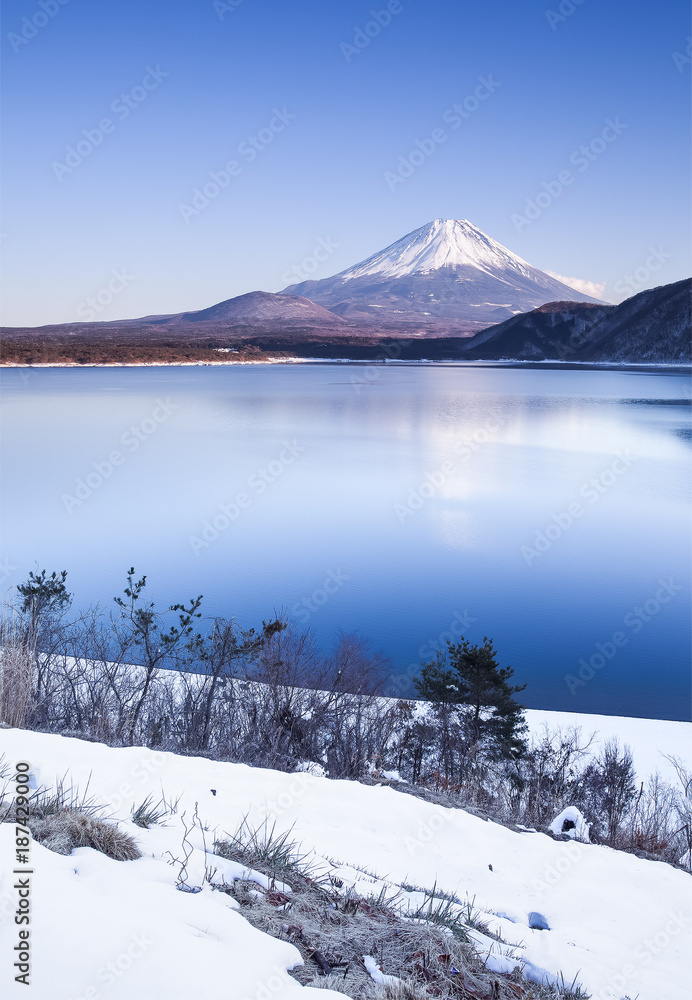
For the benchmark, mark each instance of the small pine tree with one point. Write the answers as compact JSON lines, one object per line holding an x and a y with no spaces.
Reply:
{"x":43,"y":595}
{"x":469,"y":680}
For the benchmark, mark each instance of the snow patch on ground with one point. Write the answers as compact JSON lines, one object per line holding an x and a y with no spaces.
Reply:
{"x":120,"y":930}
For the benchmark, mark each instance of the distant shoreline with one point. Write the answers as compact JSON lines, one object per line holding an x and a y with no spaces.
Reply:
{"x":635,"y":366}
{"x":152,"y":364}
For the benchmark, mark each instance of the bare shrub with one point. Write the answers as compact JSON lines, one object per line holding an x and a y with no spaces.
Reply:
{"x":683,"y":809}
{"x":609,"y":789}
{"x":658,"y":824}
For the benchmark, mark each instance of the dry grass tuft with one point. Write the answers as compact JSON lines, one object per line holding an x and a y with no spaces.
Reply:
{"x":272,"y":852}
{"x":62,"y":818}
{"x":64,"y":830}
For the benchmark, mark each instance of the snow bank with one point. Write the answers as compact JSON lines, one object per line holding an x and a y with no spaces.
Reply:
{"x":120,"y":930}
{"x":619,"y":924}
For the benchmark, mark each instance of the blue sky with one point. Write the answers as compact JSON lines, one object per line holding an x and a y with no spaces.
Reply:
{"x":318,"y":108}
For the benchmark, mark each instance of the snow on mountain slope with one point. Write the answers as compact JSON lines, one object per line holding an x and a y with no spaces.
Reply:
{"x":446,"y":275}
{"x":619,"y":925}
{"x":442,"y":243}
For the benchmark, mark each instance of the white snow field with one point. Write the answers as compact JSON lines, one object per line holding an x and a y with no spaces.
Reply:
{"x":652,"y":741}
{"x":108,"y":930}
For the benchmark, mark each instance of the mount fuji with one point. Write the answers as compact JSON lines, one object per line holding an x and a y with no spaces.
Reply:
{"x":446,"y":275}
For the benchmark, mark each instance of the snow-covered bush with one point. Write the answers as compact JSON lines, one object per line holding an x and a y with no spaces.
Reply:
{"x":572,"y":824}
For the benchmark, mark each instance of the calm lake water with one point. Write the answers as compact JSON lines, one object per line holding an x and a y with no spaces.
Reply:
{"x":547,"y":509}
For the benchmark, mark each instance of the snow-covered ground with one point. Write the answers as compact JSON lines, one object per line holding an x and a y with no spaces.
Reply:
{"x":120,"y":931}
{"x":652,"y":741}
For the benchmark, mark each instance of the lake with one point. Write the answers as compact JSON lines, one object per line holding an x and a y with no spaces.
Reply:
{"x":412,"y":503}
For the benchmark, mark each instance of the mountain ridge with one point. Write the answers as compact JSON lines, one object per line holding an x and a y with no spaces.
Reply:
{"x":445,"y":271}
{"x":651,"y":326}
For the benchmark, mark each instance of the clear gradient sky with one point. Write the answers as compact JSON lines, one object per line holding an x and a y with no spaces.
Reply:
{"x":360,"y":102}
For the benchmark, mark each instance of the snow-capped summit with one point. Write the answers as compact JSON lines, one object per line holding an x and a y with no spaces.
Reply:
{"x":442,"y":243}
{"x":448,"y":275}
